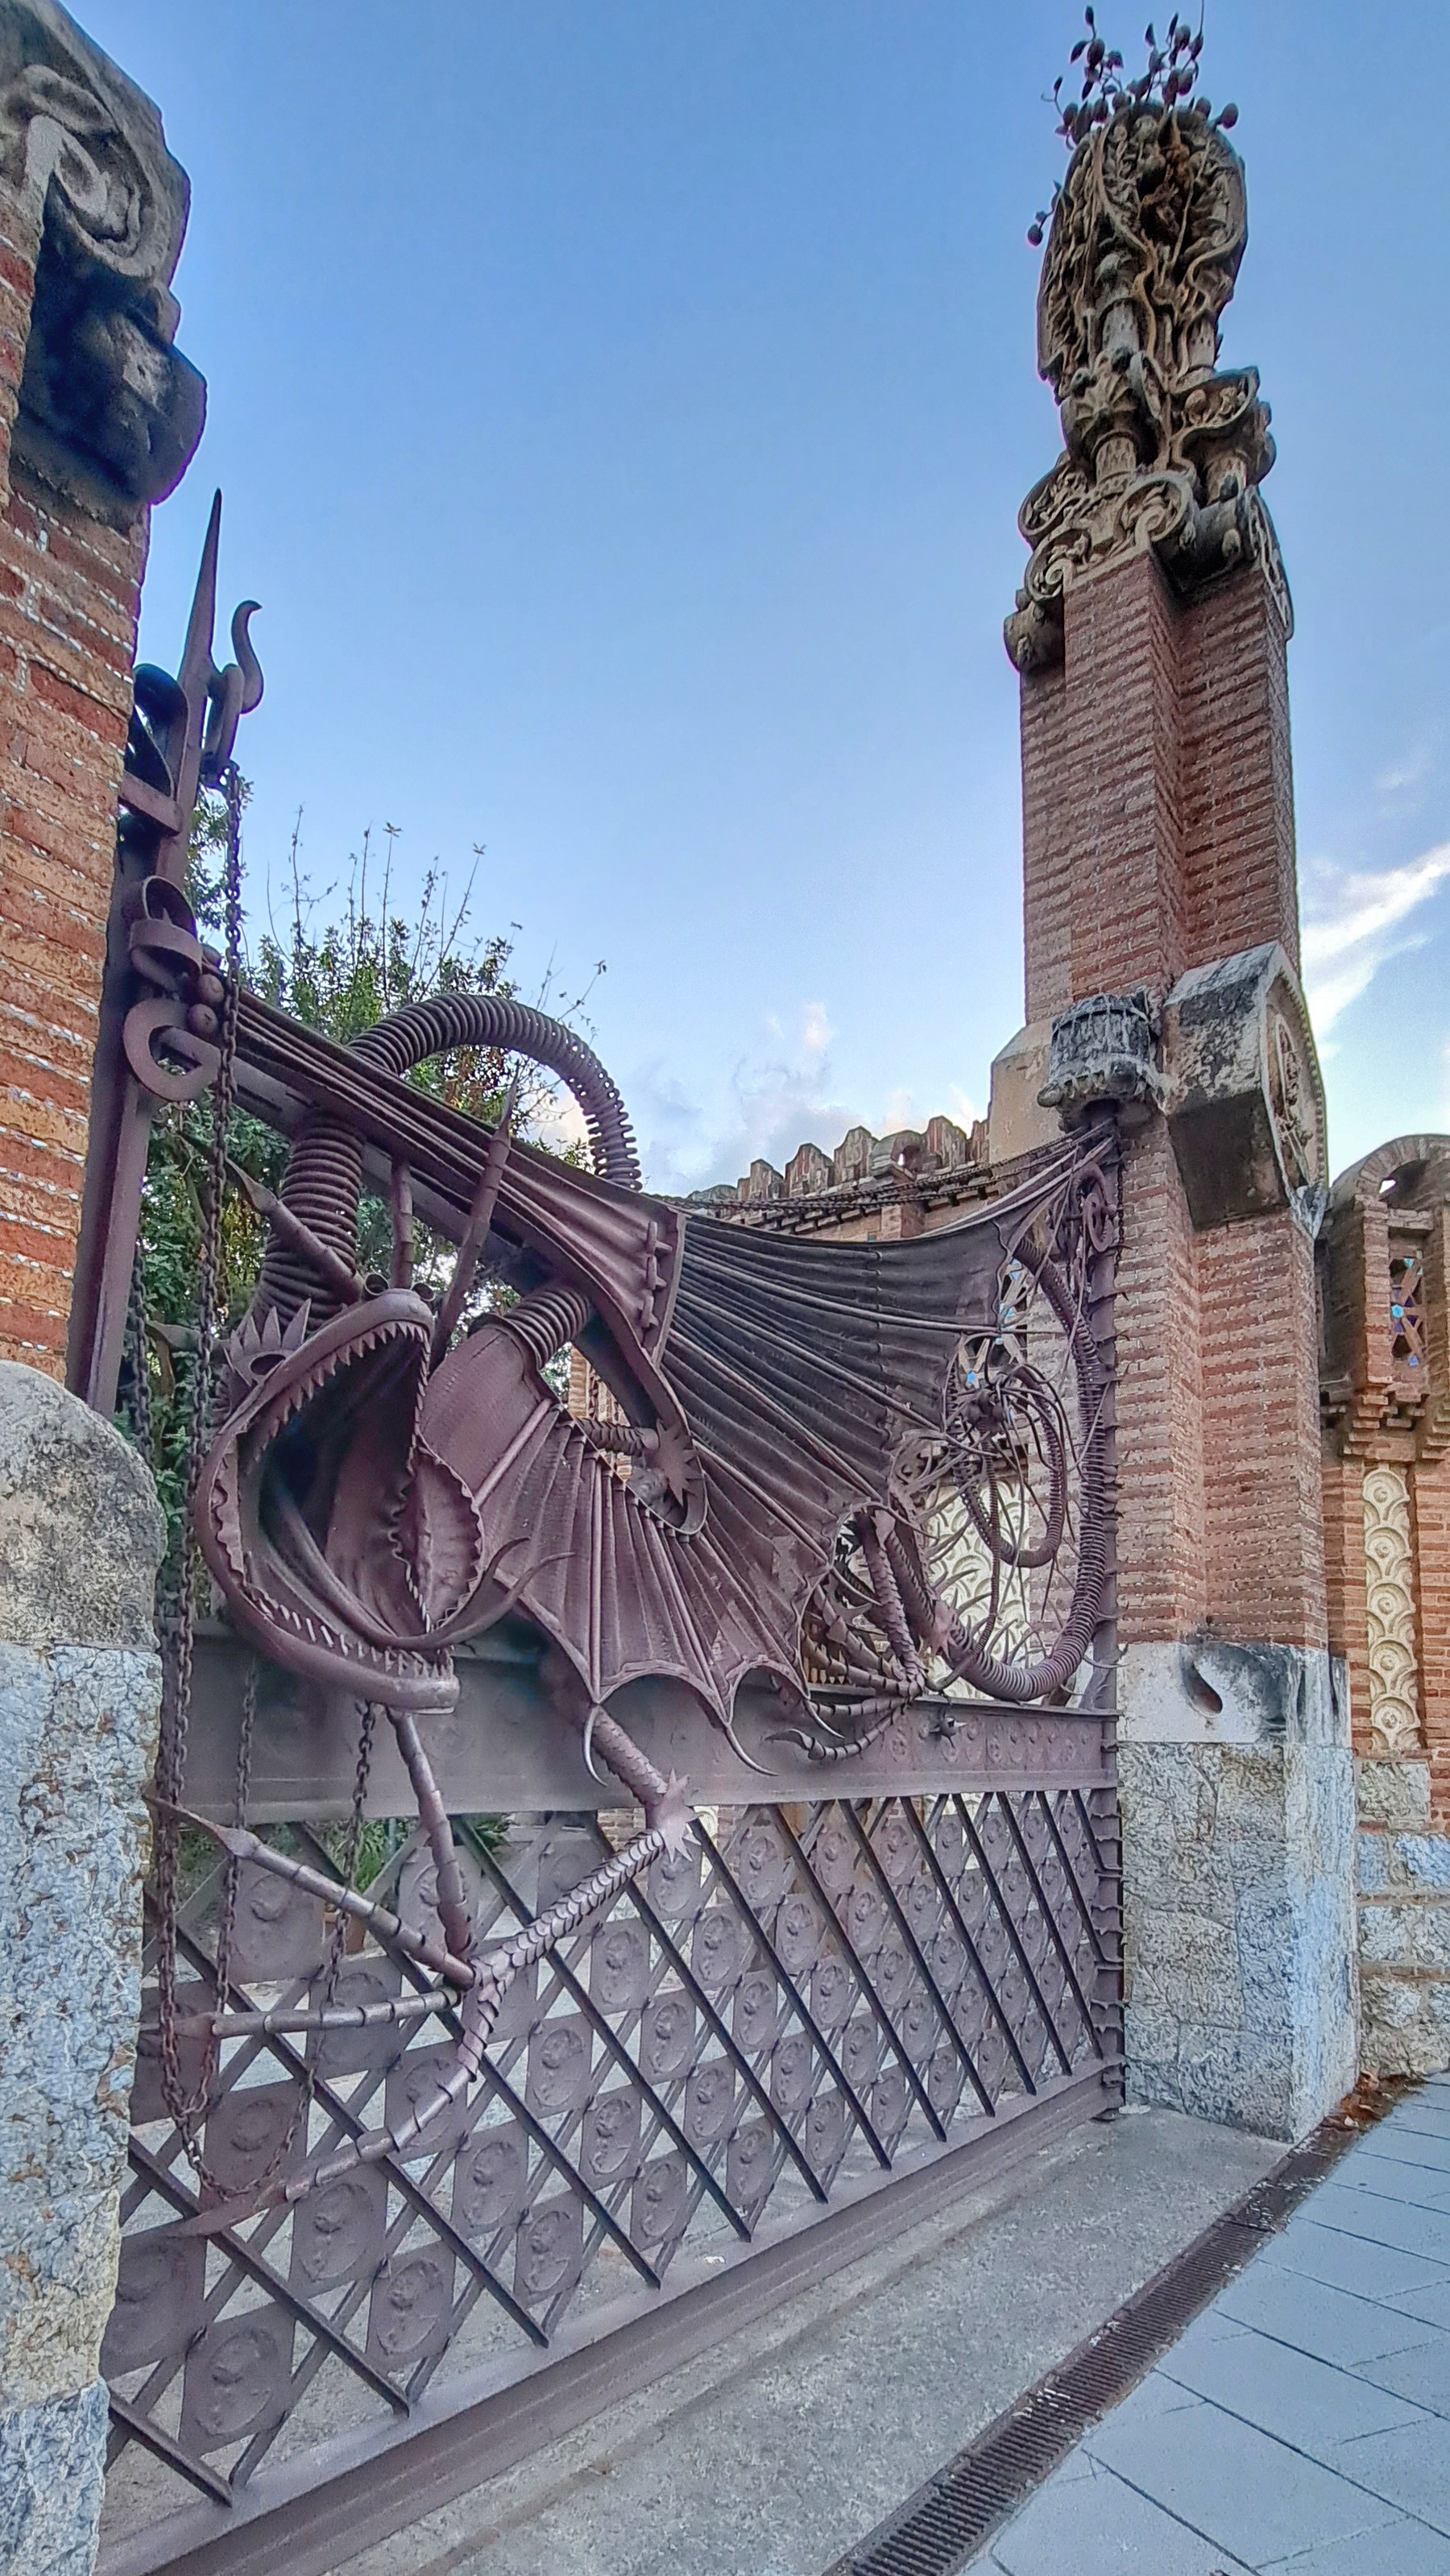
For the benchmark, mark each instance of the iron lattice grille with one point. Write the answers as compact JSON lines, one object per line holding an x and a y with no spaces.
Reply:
{"x":811,"y":1996}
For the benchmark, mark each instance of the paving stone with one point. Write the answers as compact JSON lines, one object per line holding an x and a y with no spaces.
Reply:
{"x":1411,"y":2467}
{"x":1111,"y":2532}
{"x":1422,"y":2374}
{"x":1425,"y":2115}
{"x":1427,"y":2307}
{"x":1332,"y":2324}
{"x":781,"y":2447}
{"x":1400,"y":2549}
{"x":1422,"y":2232}
{"x":1236,"y":2485}
{"x":1419,"y":2186}
{"x":1405,"y":2147}
{"x":1158,"y":2395}
{"x":1287,"y":2394}
{"x":1360,"y":2259}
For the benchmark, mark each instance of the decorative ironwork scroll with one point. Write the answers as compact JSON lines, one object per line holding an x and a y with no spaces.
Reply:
{"x":163,"y":996}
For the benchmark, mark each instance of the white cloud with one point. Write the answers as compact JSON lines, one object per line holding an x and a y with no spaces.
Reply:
{"x":783,"y":1098}
{"x":1403,"y":776}
{"x":1355,"y":924}
{"x":816,"y":1029}
{"x":559,"y":1120}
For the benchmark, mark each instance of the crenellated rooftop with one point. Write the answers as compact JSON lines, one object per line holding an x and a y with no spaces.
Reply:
{"x":931,"y":1167}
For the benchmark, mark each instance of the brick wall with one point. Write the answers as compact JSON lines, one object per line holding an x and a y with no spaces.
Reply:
{"x":1381,"y":1412}
{"x":1162,"y":1589}
{"x":1159,"y":835}
{"x":1157,"y":796}
{"x":69,"y":592}
{"x":100,"y":414}
{"x":1239,"y":877}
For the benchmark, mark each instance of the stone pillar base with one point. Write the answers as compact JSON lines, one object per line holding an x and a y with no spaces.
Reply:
{"x":52,"y":2470}
{"x":1404,"y":1921}
{"x":80,"y":1534}
{"x":1237,"y":1791}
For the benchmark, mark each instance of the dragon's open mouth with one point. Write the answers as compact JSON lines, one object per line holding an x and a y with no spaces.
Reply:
{"x":341,"y":1541}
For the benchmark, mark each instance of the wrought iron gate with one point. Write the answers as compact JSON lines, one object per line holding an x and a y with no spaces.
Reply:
{"x":783,"y":2043}
{"x":426,"y":2169}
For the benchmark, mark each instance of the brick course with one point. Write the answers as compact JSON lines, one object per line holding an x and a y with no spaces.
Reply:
{"x":69,"y":598}
{"x":1159,"y":835}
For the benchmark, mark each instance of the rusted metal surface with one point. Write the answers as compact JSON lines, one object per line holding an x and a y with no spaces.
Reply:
{"x":850,"y":1522}
{"x":845,"y":1472}
{"x":162,"y":997}
{"x":805,"y":2003}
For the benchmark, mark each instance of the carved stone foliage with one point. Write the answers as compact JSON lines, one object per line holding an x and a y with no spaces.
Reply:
{"x":1394,"y":1714}
{"x":1245,"y":1098}
{"x":109,"y":408}
{"x":1160,"y":450}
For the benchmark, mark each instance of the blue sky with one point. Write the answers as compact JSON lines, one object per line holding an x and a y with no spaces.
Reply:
{"x":623,"y":407}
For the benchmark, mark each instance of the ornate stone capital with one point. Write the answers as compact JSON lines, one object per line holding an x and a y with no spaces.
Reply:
{"x":1105,"y":1048}
{"x":109,"y":409}
{"x":1245,"y":1099}
{"x":1160,"y":450}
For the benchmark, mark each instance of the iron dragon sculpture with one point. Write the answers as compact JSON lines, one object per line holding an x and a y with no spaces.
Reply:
{"x":855,"y":1472}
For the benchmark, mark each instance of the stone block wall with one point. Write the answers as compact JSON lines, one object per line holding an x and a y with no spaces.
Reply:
{"x":80,"y":1538}
{"x":1404,"y":1921}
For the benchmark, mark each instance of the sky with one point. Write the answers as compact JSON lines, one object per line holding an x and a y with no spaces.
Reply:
{"x":622,"y":409}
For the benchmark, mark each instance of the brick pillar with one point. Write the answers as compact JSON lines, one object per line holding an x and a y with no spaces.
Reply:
{"x":98,"y":417}
{"x":1159,"y":869}
{"x":1385,"y":1285}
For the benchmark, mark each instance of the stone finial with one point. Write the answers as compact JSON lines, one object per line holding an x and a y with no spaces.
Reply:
{"x":109,"y":409}
{"x":1160,"y":449}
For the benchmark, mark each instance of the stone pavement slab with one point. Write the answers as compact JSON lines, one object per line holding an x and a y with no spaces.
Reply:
{"x":1282,"y":2461}
{"x":773,"y":2453}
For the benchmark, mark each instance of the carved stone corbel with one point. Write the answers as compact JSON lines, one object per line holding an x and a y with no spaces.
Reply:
{"x":1244,"y":1095}
{"x":1104,"y":1048}
{"x":110,"y":411}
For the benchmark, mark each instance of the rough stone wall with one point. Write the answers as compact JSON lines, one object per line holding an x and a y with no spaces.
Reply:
{"x":1404,"y":1920}
{"x":80,"y":1539}
{"x":1239,"y":1934}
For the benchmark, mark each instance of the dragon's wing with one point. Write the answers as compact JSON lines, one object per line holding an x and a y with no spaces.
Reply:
{"x":798,"y":1369}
